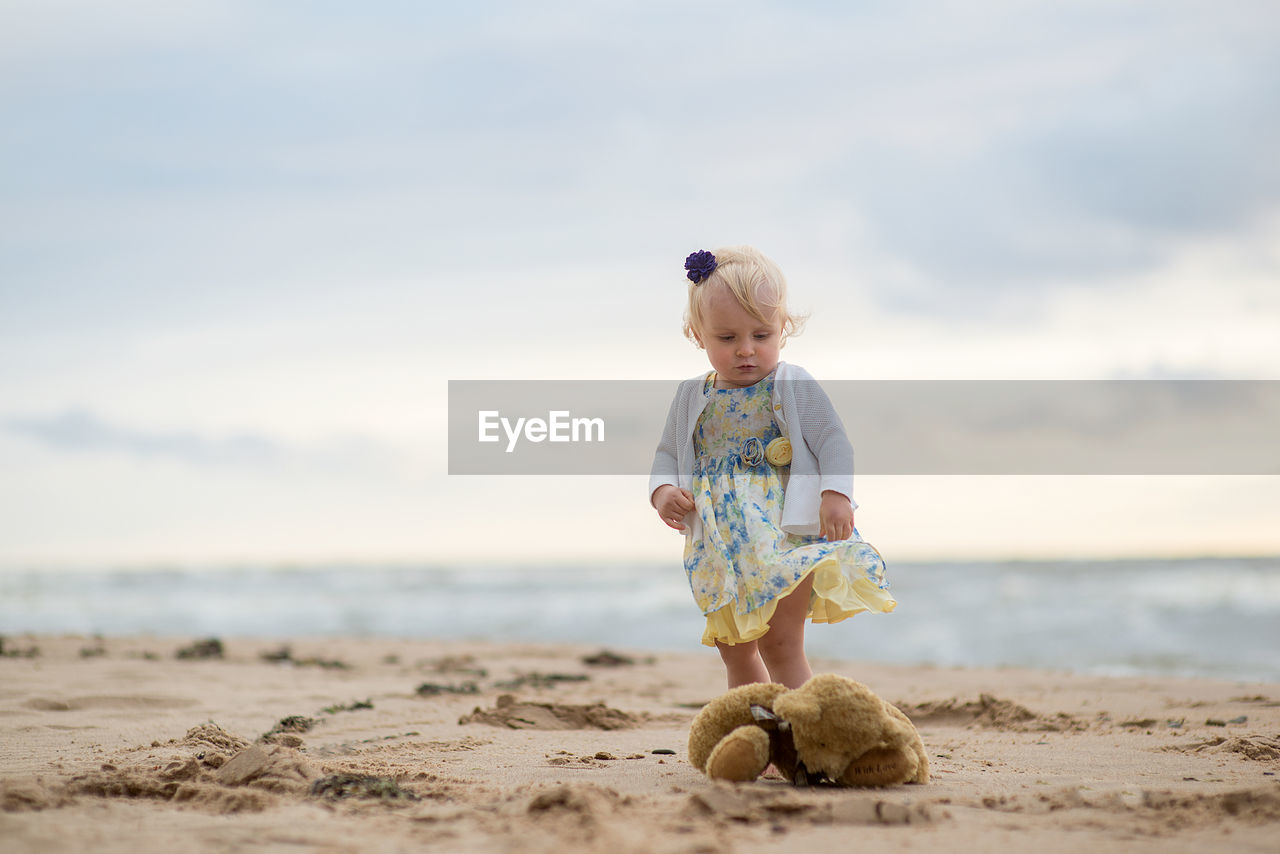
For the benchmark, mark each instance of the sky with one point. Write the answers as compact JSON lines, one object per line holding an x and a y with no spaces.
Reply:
{"x":245,"y":246}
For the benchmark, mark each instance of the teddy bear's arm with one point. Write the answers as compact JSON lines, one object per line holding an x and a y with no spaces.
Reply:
{"x":741,"y":756}
{"x":724,"y":714}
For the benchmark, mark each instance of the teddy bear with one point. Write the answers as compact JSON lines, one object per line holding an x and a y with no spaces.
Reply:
{"x":831,"y":730}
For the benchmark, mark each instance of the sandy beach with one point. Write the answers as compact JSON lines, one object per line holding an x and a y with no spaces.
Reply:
{"x":139,"y":743}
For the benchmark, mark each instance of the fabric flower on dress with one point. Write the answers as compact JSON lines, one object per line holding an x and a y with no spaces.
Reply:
{"x":701,"y":265}
{"x":752,"y":453}
{"x":778,"y":452}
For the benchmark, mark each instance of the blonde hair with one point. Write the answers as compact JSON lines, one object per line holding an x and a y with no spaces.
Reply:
{"x":755,"y":282}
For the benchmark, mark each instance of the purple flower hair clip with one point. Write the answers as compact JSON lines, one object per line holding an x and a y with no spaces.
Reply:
{"x":701,"y":265}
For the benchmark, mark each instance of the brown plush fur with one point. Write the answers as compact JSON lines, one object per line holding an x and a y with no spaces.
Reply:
{"x":724,"y":714}
{"x":742,"y":758}
{"x":841,"y":730}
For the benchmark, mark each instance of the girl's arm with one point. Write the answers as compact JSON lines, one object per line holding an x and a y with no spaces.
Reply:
{"x":665,"y":494}
{"x":825,"y":435}
{"x":666,"y":467}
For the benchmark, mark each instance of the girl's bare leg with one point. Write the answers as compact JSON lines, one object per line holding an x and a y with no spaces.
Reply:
{"x":742,"y":661}
{"x":782,"y":647}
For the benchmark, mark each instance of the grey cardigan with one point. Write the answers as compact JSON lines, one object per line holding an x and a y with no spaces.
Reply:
{"x":821,"y":455}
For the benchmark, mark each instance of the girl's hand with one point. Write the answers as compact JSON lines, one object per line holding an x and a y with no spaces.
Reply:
{"x":672,"y":505}
{"x":835,"y":516}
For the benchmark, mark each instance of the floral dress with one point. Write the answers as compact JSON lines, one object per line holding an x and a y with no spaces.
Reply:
{"x":744,"y":562}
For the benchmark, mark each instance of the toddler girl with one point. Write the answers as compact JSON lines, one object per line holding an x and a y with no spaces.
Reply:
{"x":755,"y":467}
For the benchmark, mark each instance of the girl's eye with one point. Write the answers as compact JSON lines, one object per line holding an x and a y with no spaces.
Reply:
{"x":726,"y":337}
{"x":760,"y":336}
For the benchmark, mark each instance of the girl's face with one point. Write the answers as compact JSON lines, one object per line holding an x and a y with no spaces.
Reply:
{"x":742,"y":350}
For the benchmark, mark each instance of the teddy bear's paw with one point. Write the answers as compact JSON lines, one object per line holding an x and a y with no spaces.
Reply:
{"x":881,"y":766}
{"x":741,"y":756}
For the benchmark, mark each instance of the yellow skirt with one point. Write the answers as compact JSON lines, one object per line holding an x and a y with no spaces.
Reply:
{"x":834,"y":598}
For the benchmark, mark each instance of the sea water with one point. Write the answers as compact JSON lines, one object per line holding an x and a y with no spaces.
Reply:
{"x":1209,"y":617}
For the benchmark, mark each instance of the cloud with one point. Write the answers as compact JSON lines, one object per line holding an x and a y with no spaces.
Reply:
{"x":235,"y":153}
{"x":43,"y":34}
{"x":78,"y":430}
{"x":1122,"y":138}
